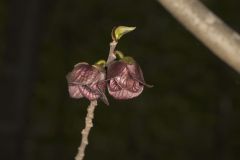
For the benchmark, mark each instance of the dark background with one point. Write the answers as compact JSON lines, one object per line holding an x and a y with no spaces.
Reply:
{"x":192,"y":113}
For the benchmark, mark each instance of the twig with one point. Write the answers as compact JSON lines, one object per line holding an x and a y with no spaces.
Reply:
{"x":208,"y":28}
{"x":86,"y":130}
{"x":111,"y":55}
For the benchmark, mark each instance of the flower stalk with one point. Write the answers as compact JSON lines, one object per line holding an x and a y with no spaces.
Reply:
{"x":117,"y":33}
{"x":111,"y":55}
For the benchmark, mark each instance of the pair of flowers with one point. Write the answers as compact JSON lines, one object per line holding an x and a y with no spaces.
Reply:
{"x":123,"y":78}
{"x":121,"y":75}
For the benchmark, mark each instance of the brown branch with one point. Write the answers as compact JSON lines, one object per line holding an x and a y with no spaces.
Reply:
{"x":86,"y":130}
{"x":208,"y":28}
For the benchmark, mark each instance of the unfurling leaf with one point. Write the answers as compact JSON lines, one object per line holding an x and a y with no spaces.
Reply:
{"x":119,"y":31}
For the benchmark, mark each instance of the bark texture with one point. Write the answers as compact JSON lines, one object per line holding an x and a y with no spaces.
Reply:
{"x":208,"y":28}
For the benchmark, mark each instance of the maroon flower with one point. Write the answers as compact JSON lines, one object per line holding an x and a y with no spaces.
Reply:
{"x":88,"y":81}
{"x":125,"y":79}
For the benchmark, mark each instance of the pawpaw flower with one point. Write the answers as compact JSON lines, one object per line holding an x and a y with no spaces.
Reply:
{"x":125,"y":78}
{"x":88,"y":81}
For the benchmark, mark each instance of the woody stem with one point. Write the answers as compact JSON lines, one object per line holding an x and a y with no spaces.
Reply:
{"x":222,"y":40}
{"x":86,"y":130}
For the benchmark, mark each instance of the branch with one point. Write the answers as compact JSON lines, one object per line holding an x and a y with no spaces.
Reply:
{"x":208,"y":28}
{"x":86,"y":130}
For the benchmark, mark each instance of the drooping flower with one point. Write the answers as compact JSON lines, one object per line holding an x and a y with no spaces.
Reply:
{"x":88,"y":81}
{"x":125,"y":78}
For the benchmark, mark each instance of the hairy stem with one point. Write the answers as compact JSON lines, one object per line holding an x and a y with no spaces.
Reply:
{"x":86,"y":130}
{"x":208,"y":28}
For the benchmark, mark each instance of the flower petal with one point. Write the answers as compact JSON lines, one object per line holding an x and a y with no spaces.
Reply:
{"x":122,"y":78}
{"x":74,"y":91}
{"x":114,"y":86}
{"x":83,"y":74}
{"x":87,"y":81}
{"x":133,"y":85}
{"x":88,"y":93}
{"x":136,"y":73}
{"x":125,"y":81}
{"x":115,"y":68}
{"x":125,"y":94}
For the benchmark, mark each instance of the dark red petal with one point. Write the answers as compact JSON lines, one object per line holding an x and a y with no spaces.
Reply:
{"x":136,"y":73}
{"x":125,"y":94}
{"x":104,"y":99}
{"x":125,"y":81}
{"x":74,"y":91}
{"x":133,"y":85}
{"x":80,"y":63}
{"x":100,"y":87}
{"x":114,"y":86}
{"x":115,"y":68}
{"x":101,"y":76}
{"x":122,"y":78}
{"x":83,"y":74}
{"x":87,"y":81}
{"x":88,"y":93}
{"x":124,"y":86}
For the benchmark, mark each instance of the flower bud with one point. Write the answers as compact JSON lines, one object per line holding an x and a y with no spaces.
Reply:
{"x":88,"y":81}
{"x":125,"y":79}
